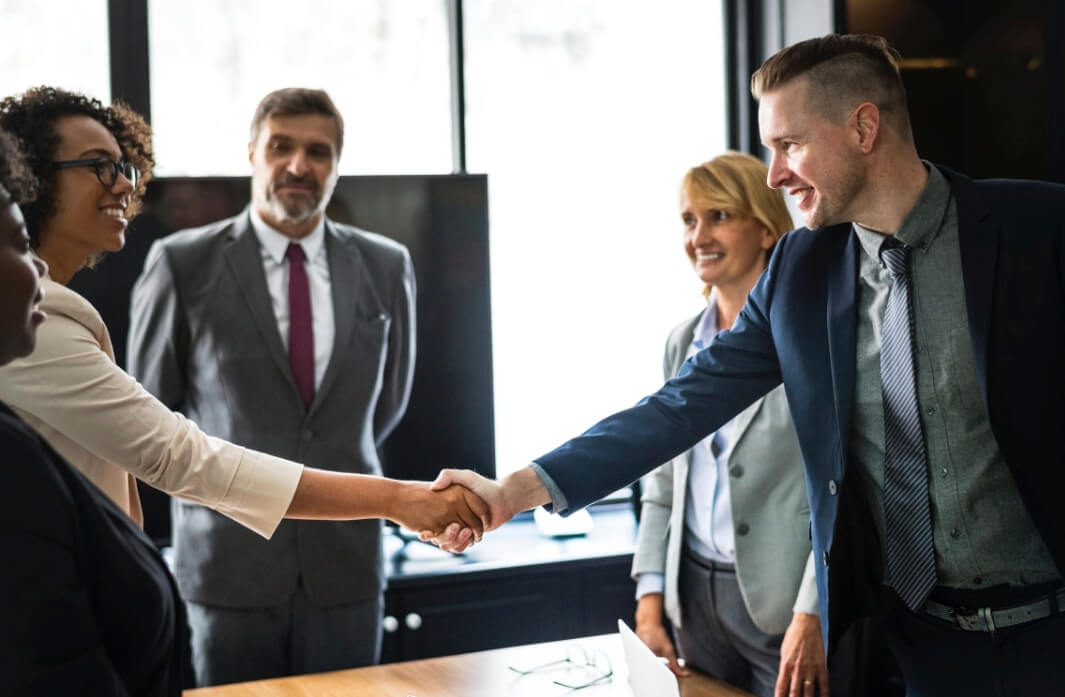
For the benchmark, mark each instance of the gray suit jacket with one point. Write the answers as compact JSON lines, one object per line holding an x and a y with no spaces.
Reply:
{"x":770,"y":513}
{"x":204,"y":339}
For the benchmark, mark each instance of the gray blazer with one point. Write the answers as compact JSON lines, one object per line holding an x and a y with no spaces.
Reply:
{"x":770,"y":512}
{"x":204,"y":339}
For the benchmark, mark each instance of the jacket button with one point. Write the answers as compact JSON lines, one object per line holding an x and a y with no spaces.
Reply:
{"x":742,"y":529}
{"x":824,"y":557}
{"x":832,"y":487}
{"x":736,"y":471}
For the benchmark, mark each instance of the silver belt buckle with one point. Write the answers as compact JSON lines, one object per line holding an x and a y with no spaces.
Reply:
{"x":978,"y":620}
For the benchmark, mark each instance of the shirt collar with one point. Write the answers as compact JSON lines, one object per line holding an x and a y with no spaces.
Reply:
{"x":921,"y":226}
{"x":706,"y":329}
{"x":276,"y":243}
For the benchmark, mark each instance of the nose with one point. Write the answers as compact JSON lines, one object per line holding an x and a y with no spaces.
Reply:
{"x":702,"y":232}
{"x":122,"y":185}
{"x":778,"y":172}
{"x":297,"y":164}
{"x":40,"y":265}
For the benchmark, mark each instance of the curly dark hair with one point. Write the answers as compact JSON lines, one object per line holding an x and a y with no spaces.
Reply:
{"x":31,"y":117}
{"x":17,"y":184}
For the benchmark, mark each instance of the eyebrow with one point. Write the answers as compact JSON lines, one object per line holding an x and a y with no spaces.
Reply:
{"x":98,"y":151}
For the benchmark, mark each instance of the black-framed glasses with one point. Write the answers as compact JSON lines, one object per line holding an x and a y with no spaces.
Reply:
{"x":107,"y":170}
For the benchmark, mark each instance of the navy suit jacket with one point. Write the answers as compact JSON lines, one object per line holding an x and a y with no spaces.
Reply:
{"x":799,"y":327}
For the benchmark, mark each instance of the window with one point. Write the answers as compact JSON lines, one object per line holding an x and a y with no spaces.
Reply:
{"x":384,"y":63}
{"x":586,"y":114}
{"x":60,"y":43}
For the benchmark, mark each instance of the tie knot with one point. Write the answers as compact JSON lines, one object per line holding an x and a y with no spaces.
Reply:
{"x":294,"y":253}
{"x":895,"y":256}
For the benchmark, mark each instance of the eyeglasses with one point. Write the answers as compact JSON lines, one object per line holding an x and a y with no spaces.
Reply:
{"x":107,"y":170}
{"x":592,"y":669}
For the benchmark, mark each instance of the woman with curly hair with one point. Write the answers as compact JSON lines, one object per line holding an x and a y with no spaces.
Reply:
{"x":92,"y":162}
{"x":88,"y":605}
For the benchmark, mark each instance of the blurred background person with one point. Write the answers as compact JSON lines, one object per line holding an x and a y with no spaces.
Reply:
{"x":723,"y":549}
{"x":88,"y":605}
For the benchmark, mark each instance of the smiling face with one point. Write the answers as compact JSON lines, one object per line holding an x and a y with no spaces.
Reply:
{"x":90,"y":218}
{"x":294,"y":171}
{"x":726,"y":251}
{"x":20,"y":288}
{"x":814,"y":158}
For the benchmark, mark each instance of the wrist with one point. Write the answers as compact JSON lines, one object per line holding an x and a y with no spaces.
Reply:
{"x":649,"y":610}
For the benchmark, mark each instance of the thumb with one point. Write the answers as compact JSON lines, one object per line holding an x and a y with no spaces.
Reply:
{"x":442,"y":481}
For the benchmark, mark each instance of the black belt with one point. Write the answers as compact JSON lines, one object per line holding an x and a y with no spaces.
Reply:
{"x":987,"y":619}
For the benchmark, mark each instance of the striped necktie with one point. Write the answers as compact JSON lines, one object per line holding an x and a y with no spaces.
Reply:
{"x":911,"y":564}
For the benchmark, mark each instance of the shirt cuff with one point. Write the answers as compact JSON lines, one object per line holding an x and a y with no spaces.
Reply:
{"x":650,"y":582}
{"x":558,"y":504}
{"x":262,"y":490}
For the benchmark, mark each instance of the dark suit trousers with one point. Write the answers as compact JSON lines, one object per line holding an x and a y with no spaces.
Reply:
{"x":938,"y":660}
{"x":294,"y":638}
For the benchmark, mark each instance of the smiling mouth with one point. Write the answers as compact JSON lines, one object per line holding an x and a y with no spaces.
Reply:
{"x":713,"y":256}
{"x":116,"y":213}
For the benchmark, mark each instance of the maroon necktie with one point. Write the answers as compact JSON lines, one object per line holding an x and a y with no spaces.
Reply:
{"x":300,"y":329}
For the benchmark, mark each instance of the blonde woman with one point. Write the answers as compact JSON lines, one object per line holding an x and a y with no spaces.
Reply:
{"x":724,"y":548}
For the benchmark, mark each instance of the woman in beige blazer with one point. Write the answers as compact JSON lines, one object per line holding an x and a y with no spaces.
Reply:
{"x":92,"y":163}
{"x":723,"y":548}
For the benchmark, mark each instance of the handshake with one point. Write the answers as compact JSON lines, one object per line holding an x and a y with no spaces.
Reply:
{"x":460,"y":506}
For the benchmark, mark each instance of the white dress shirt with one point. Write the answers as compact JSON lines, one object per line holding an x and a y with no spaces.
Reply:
{"x":273,"y":245}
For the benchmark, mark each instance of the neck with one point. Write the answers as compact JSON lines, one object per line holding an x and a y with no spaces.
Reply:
{"x":729,"y":304}
{"x":63,"y":260}
{"x":894,"y":193}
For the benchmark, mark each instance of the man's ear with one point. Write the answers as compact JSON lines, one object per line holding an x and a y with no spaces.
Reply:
{"x":866,"y":121}
{"x":251,"y":152}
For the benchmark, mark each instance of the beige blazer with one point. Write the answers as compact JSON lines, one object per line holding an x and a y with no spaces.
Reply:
{"x":770,"y":512}
{"x":101,"y":420}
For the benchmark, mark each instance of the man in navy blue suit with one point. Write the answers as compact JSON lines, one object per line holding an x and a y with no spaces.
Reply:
{"x":954,"y":530}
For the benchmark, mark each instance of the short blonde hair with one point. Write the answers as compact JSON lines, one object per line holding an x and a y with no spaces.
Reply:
{"x":735,"y":182}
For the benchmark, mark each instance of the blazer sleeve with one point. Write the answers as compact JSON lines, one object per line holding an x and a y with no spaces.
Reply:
{"x":399,"y":364}
{"x":50,"y":643}
{"x":70,"y":384}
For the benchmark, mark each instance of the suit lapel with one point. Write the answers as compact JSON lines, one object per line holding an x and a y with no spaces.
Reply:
{"x":345,"y":275}
{"x":841,"y":324}
{"x":244,"y":258}
{"x":978,"y":242}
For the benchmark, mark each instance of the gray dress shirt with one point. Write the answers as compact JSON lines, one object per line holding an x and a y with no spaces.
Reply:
{"x":983,"y":533}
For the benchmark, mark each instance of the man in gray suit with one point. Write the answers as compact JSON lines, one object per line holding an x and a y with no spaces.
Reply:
{"x":286,"y":332}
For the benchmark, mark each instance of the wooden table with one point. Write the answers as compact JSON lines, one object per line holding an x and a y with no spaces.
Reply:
{"x":480,"y":674}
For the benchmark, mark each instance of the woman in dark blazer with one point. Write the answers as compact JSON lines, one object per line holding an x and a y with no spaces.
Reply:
{"x":87,"y":606}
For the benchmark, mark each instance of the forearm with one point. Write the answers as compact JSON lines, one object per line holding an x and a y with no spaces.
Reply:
{"x":523,"y":490}
{"x":649,"y":609}
{"x":325,"y":495}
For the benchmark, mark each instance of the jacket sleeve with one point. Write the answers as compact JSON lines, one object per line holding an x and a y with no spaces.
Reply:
{"x":399,"y":364}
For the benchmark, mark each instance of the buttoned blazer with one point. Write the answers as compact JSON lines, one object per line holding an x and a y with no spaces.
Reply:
{"x":799,"y":327}
{"x":204,"y":338}
{"x":770,"y":512}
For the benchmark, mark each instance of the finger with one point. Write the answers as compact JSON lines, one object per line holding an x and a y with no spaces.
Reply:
{"x":449,"y":536}
{"x":427,"y":536}
{"x":479,"y":508}
{"x":823,"y":682}
{"x":442,"y":481}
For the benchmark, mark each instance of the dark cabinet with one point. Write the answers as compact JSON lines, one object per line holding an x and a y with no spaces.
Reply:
{"x":515,"y":587}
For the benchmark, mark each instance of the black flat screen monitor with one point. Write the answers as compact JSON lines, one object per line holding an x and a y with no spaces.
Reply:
{"x":443,"y":221}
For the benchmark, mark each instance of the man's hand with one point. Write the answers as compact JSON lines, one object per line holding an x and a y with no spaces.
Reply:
{"x":519,"y":491}
{"x":652,"y":633}
{"x":803,"y":672}
{"x":426,"y":507}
